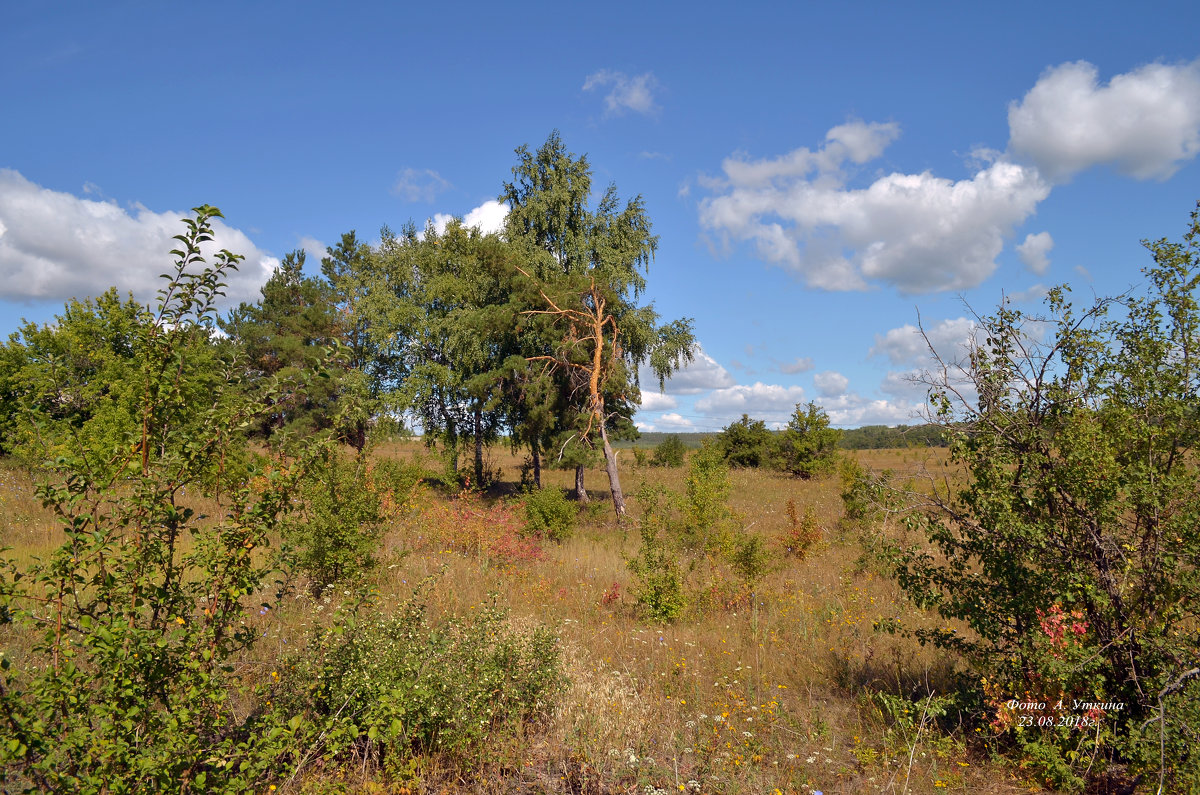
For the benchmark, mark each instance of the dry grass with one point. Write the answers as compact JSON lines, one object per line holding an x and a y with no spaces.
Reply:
{"x":775,"y":693}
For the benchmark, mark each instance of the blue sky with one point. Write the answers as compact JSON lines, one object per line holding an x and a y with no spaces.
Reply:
{"x":819,"y":175}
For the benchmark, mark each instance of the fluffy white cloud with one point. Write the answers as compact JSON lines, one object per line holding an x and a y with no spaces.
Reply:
{"x":853,"y":411}
{"x":700,"y":375}
{"x":905,"y":384}
{"x":314,"y":249}
{"x":487,"y":218}
{"x":670,"y":422}
{"x":1145,"y":122}
{"x":628,"y":93}
{"x":769,"y":402}
{"x":831,"y":383}
{"x":917,"y":232}
{"x":1034,"y":252}
{"x":423,"y":184}
{"x":653,"y":400}
{"x":907,"y":346}
{"x":55,"y":245}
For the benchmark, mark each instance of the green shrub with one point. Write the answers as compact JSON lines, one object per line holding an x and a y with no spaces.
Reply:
{"x":659,"y":590}
{"x":684,"y":535}
{"x":670,"y":452}
{"x":748,"y":443}
{"x":1069,"y":545}
{"x":549,"y":514}
{"x":389,"y":686}
{"x":808,"y":446}
{"x":640,"y":457}
{"x":338,"y":526}
{"x":135,"y":619}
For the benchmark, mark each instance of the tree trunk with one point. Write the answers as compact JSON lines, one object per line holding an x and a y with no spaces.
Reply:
{"x":580,"y":491}
{"x":537,"y":465}
{"x":478,"y":447}
{"x":614,"y":477}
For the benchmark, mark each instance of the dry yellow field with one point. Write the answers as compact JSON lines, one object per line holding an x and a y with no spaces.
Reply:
{"x":776,"y":691}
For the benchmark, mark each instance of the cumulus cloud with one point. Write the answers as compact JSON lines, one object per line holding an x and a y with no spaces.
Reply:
{"x":314,"y":249}
{"x":55,"y":245}
{"x":672,"y":422}
{"x":653,"y":400}
{"x":628,"y":93}
{"x":907,"y":346}
{"x":1145,"y":123}
{"x":700,"y":375}
{"x":488,"y":218}
{"x":905,"y":384}
{"x":1034,"y":252}
{"x":917,"y":232}
{"x":423,"y":184}
{"x":769,"y":402}
{"x":830,"y":383}
{"x":853,"y":410}
{"x":801,"y":364}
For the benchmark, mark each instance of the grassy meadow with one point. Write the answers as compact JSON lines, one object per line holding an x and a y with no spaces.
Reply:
{"x":790,"y":686}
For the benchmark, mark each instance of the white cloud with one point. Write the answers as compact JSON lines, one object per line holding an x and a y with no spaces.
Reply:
{"x":917,"y":232}
{"x":628,"y":93}
{"x":653,"y":400}
{"x":488,"y":218}
{"x":1034,"y":252}
{"x":314,"y":249}
{"x":906,"y":345}
{"x":672,"y":422}
{"x":424,"y":184}
{"x":830,"y":383}
{"x":769,"y":402}
{"x":55,"y":245}
{"x":700,"y":375}
{"x":852,"y":411}
{"x":1146,"y":122}
{"x":905,"y":384}
{"x":801,"y":364}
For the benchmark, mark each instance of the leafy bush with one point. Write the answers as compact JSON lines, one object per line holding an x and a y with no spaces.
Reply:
{"x":549,"y":514}
{"x":134,"y":619}
{"x":808,"y":447}
{"x":390,"y":686}
{"x":670,"y":452}
{"x":696,"y":531}
{"x":659,"y":588}
{"x":345,"y":504}
{"x":748,"y":443}
{"x":1070,"y":551}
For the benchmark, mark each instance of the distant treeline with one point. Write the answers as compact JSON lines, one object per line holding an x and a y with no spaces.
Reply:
{"x":868,"y":437}
{"x":877,"y":437}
